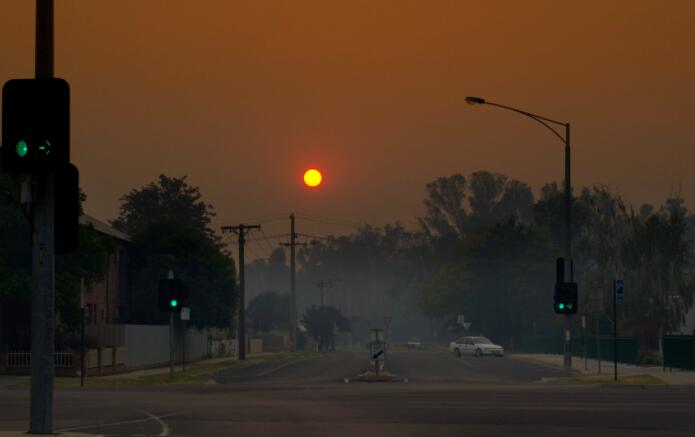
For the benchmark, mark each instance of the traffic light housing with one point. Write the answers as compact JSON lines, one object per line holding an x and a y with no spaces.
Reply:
{"x":67,"y":209}
{"x":172,"y":295}
{"x":35,"y":125}
{"x":566,"y":298}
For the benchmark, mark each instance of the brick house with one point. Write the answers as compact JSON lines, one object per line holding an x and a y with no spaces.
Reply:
{"x":105,"y":301}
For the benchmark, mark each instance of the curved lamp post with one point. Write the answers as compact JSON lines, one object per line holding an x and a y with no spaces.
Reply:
{"x":552,"y":126}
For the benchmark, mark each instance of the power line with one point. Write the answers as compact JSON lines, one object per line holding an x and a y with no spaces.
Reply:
{"x":266,"y":219}
{"x":327,"y":222}
{"x":266,"y":238}
{"x":269,"y":237}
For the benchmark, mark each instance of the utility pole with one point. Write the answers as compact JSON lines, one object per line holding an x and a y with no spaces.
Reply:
{"x":293,"y":271}
{"x":43,"y":256}
{"x":615,"y":333}
{"x":241,"y":231}
{"x":322,"y":285}
{"x":82,"y":323}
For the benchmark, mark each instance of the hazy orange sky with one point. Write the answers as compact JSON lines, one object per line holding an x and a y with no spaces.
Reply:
{"x":243,"y":96}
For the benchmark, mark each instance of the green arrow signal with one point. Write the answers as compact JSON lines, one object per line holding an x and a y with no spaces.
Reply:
{"x":45,"y":147}
{"x":22,"y":148}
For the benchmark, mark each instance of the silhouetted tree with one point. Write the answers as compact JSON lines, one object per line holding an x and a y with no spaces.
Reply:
{"x":169,"y":199}
{"x":269,"y":310}
{"x":322,"y":323}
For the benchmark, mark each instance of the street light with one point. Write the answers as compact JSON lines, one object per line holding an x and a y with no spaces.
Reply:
{"x":552,"y":126}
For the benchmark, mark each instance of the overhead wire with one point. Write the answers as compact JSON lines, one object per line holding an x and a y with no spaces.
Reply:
{"x":266,"y":238}
{"x":329,"y":222}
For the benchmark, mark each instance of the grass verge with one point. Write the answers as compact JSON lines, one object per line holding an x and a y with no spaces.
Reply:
{"x":196,"y":373}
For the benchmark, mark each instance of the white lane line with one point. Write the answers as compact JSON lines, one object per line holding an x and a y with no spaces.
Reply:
{"x":275,"y":369}
{"x":165,"y":428}
{"x":125,"y":422}
{"x":466,"y":363}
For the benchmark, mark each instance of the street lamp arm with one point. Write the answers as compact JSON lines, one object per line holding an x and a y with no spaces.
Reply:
{"x":539,"y":118}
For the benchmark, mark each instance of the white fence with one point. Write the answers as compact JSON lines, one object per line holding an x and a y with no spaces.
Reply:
{"x":22,"y":360}
{"x":148,"y":345}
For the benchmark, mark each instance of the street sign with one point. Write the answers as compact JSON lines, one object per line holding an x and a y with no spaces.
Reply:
{"x":185,"y":313}
{"x":619,"y":290}
{"x":377,"y":355}
{"x":375,"y":334}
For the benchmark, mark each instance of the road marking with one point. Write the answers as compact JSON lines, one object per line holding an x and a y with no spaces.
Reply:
{"x":466,"y":363}
{"x":165,"y":428}
{"x":275,"y":369}
{"x":126,"y":422}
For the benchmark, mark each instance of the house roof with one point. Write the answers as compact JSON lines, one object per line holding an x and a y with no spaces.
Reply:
{"x":103,"y":227}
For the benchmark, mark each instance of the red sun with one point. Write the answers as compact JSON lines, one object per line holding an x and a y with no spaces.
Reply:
{"x":312,"y":178}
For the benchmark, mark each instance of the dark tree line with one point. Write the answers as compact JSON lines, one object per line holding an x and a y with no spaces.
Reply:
{"x":486,"y":248}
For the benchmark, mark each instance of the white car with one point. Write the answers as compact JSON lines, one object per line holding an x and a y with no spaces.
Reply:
{"x":476,"y":346}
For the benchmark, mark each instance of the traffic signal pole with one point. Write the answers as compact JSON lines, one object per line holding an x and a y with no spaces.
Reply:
{"x":569,"y":265}
{"x":43,"y":256}
{"x":241,"y":231}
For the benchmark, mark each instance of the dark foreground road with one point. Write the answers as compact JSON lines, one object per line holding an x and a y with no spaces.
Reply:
{"x":445,"y":396}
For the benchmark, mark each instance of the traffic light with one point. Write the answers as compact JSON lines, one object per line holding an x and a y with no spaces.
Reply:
{"x":67,"y":208}
{"x":565,"y":299}
{"x":35,"y":125}
{"x":172,"y":295}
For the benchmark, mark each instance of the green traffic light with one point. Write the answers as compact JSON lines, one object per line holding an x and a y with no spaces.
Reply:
{"x":173,"y":303}
{"x":22,"y":148}
{"x":561,"y":306}
{"x":45,"y":148}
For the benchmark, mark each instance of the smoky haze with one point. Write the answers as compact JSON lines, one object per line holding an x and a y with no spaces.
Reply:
{"x":244,"y":96}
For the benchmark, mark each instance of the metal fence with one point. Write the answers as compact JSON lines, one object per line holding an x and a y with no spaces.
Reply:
{"x":22,"y":360}
{"x":627,"y":347}
{"x":679,"y":351}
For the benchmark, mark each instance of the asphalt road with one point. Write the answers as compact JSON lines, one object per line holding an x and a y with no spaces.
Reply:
{"x":308,"y":397}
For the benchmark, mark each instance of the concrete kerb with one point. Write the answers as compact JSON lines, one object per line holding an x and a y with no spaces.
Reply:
{"x":165,"y":368}
{"x":26,"y":433}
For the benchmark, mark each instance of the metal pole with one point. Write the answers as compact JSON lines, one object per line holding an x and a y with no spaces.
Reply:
{"x":293,"y":269}
{"x":586,"y":359}
{"x":615,"y":336}
{"x":598,"y":342}
{"x":82,"y":348}
{"x":568,"y":242}
{"x":183,"y":346}
{"x":43,"y":258}
{"x":171,"y":337}
{"x":242,"y":297}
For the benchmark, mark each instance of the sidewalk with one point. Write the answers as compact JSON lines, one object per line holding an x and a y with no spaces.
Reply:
{"x":591,"y":368}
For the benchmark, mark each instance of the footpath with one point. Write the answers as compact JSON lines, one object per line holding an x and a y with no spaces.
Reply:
{"x":602,"y":372}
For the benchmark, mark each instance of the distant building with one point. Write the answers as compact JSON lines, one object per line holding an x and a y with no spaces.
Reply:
{"x":105,"y":301}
